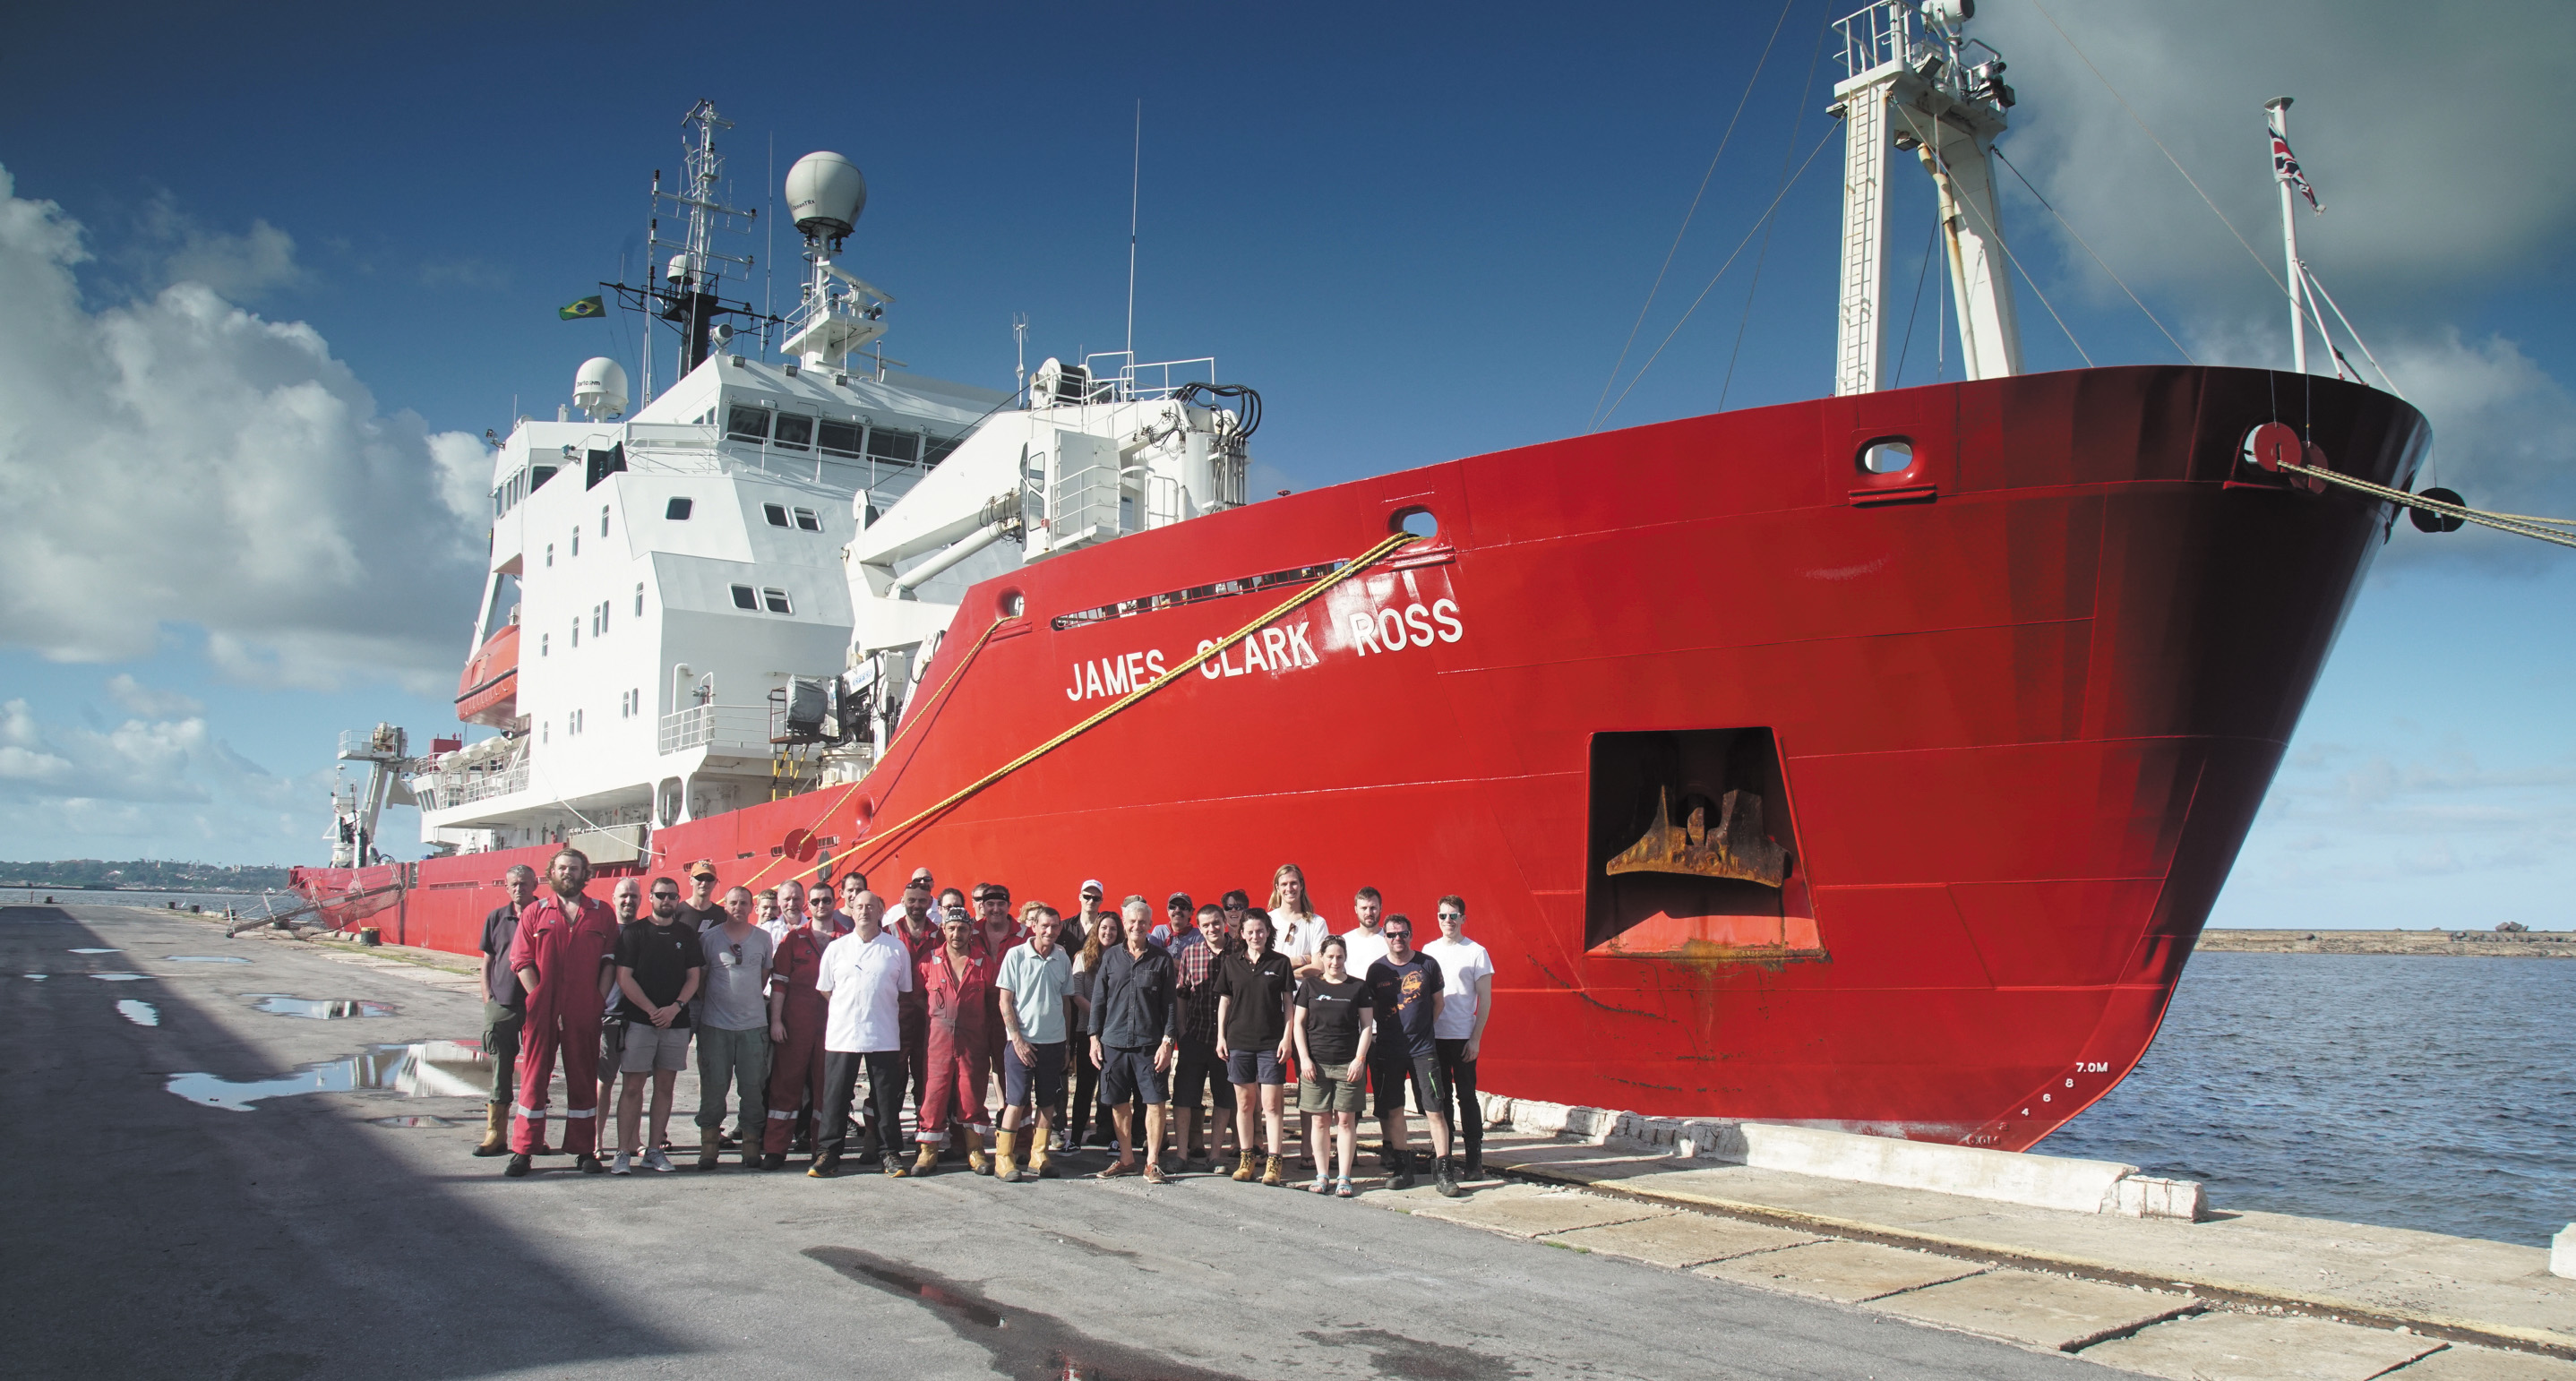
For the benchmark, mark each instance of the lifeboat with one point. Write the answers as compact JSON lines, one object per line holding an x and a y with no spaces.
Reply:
{"x":488,"y":693}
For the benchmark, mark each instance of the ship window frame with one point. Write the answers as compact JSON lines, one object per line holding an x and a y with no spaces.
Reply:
{"x":807,"y":520}
{"x":910,"y":441}
{"x":737,"y":414}
{"x":776,"y":513}
{"x":745,"y":597}
{"x":857,"y":434}
{"x":776,"y":601}
{"x":1870,"y":451}
{"x":678,"y":510}
{"x":778,"y":427}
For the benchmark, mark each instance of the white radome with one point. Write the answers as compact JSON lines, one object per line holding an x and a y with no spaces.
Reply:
{"x":825,"y":194}
{"x":599,"y":388}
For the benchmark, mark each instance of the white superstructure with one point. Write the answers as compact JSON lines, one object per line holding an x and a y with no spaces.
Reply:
{"x":726,"y":595}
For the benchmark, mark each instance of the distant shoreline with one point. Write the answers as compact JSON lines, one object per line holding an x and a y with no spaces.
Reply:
{"x":2485,"y":944}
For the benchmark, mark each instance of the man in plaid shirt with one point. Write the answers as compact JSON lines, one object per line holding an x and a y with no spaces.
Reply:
{"x":1197,"y":953}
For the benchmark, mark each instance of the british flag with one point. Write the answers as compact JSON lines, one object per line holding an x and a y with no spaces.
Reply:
{"x":2285,"y":166}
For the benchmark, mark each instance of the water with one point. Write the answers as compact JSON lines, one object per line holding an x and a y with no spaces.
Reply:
{"x":140,"y":1013}
{"x":423,"y":1069}
{"x":318,"y":1008}
{"x":247,"y":903}
{"x":205,"y":959}
{"x":2416,"y":1092}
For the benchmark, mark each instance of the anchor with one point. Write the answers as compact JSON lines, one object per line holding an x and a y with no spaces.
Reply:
{"x":1736,"y":849}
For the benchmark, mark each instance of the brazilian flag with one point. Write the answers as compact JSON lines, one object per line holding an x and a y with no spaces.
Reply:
{"x":588,"y":306}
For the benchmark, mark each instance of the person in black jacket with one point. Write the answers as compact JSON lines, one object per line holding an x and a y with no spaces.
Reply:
{"x":1135,"y":1027}
{"x":505,"y":1007}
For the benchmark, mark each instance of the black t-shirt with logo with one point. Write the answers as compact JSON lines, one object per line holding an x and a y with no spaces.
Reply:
{"x":1404,"y":995}
{"x":1334,"y":1012}
{"x":701,"y":920}
{"x":1253,"y":991}
{"x":661,"y":956}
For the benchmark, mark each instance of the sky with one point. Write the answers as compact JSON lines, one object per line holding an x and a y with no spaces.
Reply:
{"x":259,"y":304}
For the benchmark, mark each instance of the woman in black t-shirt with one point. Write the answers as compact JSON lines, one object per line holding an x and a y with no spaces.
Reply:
{"x":1332,"y":1026}
{"x":1252,"y":988}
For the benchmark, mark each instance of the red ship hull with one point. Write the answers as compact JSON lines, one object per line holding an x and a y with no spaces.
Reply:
{"x":2010,"y":711}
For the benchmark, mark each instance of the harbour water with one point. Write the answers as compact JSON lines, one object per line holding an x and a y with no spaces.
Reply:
{"x":2431,"y":1093}
{"x":245,"y":903}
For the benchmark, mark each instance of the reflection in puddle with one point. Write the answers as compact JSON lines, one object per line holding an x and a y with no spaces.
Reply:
{"x":423,"y":1069}
{"x":318,"y":1008}
{"x":40,"y":976}
{"x":414,"y":1120}
{"x":1027,"y":1343}
{"x":205,"y":959}
{"x":140,"y":1013}
{"x":98,"y":951}
{"x":119,"y":977}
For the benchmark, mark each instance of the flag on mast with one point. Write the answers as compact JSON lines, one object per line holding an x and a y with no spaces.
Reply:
{"x":591,"y":306}
{"x":2285,"y":166}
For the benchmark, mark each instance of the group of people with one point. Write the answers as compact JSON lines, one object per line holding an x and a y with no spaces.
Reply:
{"x":1099,"y":1024}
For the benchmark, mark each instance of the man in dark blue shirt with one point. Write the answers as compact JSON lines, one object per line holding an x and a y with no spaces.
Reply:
{"x":1135,"y":1027}
{"x":505,"y":1007}
{"x":1405,"y":988}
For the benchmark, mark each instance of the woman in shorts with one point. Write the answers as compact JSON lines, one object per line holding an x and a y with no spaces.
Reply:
{"x":1332,"y":1026}
{"x":1253,"y":985}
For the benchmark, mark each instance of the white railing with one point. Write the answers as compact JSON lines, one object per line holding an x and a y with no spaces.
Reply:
{"x":715,"y":726}
{"x":457,"y":786}
{"x":1133,"y":381}
{"x":1886,"y":32}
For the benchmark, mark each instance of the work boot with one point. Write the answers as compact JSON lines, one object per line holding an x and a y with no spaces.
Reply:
{"x":774,"y":1160}
{"x":710,"y":1145}
{"x":589,"y":1165}
{"x":1039,"y":1168}
{"x":823,"y":1168}
{"x":927,"y":1160}
{"x":976,"y":1160}
{"x":496,"y":1130}
{"x":1443,"y":1181}
{"x":518,"y":1166}
{"x":1475,"y":1168}
{"x":1006,"y":1164}
{"x":1243,"y":1169}
{"x":1402,"y":1178}
{"x":1275,"y":1173}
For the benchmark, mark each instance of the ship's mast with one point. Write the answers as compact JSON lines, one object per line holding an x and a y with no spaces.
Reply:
{"x":2279,"y":109}
{"x":1915,"y":82}
{"x":688,"y":297}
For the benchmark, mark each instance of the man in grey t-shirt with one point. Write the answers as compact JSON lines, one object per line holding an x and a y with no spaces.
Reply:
{"x":733,"y":1028}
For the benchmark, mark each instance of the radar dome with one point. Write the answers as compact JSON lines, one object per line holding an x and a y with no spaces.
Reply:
{"x":599,"y":388}
{"x":825,"y":194}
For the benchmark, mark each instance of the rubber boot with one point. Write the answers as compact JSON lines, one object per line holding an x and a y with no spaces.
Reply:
{"x":1039,"y":1169}
{"x":976,"y":1160}
{"x":710,"y":1145}
{"x":1006,"y":1165}
{"x":1243,"y":1166}
{"x":496,"y":1130}
{"x":1275,"y":1173}
{"x":928,"y":1160}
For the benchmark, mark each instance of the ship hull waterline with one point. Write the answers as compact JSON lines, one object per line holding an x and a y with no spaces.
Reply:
{"x":2010,"y":711}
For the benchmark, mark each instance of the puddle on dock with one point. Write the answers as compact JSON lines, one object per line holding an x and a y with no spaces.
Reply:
{"x":1021,"y":1342}
{"x":318,"y":1008}
{"x":205,"y":959}
{"x":40,"y":977}
{"x":415,"y":1120}
{"x":140,"y":1013}
{"x":119,"y":977}
{"x":1393,"y":1354}
{"x":420,"y":1069}
{"x":98,"y":951}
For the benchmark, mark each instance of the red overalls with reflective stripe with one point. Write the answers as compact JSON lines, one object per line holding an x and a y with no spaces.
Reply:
{"x":796,"y":1070}
{"x":958,"y":1040}
{"x":566,"y":949}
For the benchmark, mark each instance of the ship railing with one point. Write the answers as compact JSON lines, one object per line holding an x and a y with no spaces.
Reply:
{"x":715,"y":726}
{"x":459,"y":786}
{"x":1128,"y":380}
{"x":1889,"y":31}
{"x":700,"y":450}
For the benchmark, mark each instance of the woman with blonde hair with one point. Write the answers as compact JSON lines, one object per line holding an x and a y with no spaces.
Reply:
{"x":1089,"y":1119}
{"x":1300,"y":929}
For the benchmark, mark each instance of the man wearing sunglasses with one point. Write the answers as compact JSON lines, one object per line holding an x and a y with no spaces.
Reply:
{"x":702,"y":912}
{"x":733,"y":1031}
{"x":1467,"y":1003}
{"x":1405,"y":989}
{"x":660,"y":965}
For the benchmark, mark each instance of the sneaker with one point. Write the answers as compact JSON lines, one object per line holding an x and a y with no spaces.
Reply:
{"x":655,"y":1160}
{"x":518,"y":1166}
{"x":589,"y":1165}
{"x":1154,"y":1173}
{"x":1342,"y":1189}
{"x":624,"y":1165}
{"x":822,"y":1169}
{"x":893,"y":1168}
{"x":1443,"y":1181}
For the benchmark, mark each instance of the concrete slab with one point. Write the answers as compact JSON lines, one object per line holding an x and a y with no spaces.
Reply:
{"x":2249,"y":1347}
{"x":2041,"y":1310}
{"x":1837,"y":1270}
{"x":2460,"y":1362}
{"x":1683,"y":1240}
{"x":1538,"y":1215}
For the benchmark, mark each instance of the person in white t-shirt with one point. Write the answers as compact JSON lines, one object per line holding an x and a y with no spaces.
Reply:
{"x":1467,"y":973}
{"x":1302,"y":932}
{"x":865,"y":973}
{"x":1365,"y":943}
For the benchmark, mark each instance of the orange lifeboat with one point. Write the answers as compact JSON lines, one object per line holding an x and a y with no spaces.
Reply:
{"x":488,"y":693}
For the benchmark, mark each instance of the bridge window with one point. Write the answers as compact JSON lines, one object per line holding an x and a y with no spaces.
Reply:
{"x":777,"y":601}
{"x":838,"y":438}
{"x":744,"y":597}
{"x":795,"y":430}
{"x":904,"y":447}
{"x":776,"y":513}
{"x":747,"y":423}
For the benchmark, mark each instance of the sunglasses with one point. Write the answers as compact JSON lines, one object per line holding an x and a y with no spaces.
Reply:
{"x":1453,"y":915}
{"x":666,"y":896}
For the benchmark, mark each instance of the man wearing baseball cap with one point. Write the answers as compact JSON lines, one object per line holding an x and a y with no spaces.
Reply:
{"x":702,"y":912}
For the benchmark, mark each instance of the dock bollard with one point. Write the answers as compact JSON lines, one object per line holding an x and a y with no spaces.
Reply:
{"x":371,"y":936}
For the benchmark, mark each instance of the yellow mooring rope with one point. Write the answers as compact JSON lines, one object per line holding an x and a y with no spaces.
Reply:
{"x":881,"y":844}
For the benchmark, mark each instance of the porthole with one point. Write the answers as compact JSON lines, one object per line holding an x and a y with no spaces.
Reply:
{"x":1012,"y":604}
{"x":1418,"y":521}
{"x":1888,"y":456}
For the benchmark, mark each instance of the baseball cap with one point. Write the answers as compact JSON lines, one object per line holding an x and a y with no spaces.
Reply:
{"x":703,"y":868}
{"x":1092,"y":887}
{"x":1177,"y":899}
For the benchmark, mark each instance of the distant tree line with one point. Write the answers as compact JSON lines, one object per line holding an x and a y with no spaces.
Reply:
{"x":143,"y":874}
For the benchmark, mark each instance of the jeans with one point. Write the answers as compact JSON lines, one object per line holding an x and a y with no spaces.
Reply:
{"x":886,"y":1077}
{"x":501,"y":1028}
{"x":1467,"y":1116}
{"x":740,"y":1058}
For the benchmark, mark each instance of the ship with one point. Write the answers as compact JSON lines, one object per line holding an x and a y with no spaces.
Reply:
{"x":1867,"y":762}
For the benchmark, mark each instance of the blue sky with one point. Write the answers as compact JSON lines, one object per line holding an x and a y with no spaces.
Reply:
{"x":326,"y":246}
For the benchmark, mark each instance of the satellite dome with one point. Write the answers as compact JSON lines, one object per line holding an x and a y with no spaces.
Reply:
{"x":825,"y":194}
{"x":599,"y":388}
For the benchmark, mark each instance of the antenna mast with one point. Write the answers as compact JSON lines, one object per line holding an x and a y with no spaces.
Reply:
{"x":689,"y":297}
{"x":1135,"y":184}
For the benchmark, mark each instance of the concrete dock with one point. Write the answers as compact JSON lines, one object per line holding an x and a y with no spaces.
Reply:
{"x":341,"y":1224}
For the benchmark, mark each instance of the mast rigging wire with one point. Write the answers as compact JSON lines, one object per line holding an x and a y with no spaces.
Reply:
{"x":2097,"y":259}
{"x":1788,"y":148}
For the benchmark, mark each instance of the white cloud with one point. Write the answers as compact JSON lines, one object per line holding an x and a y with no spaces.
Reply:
{"x":192,"y":463}
{"x":137,"y":698}
{"x":241,"y":267}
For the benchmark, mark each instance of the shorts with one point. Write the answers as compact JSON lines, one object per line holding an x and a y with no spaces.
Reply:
{"x":612,"y":1045}
{"x":1127,"y":1074}
{"x":1046,"y":1079}
{"x":1331,"y":1090}
{"x":1254,"y":1067}
{"x":1194,"y":1069}
{"x":1390,"y":1075}
{"x":650,"y":1048}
